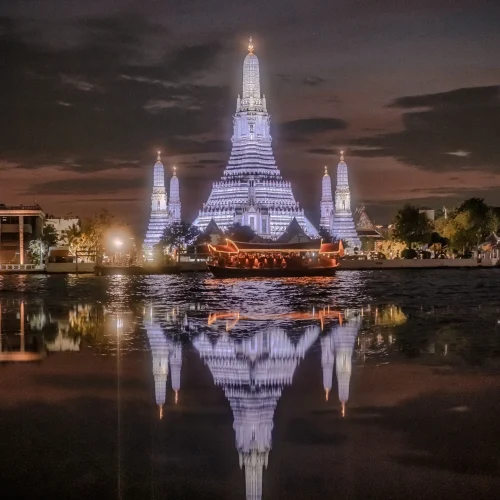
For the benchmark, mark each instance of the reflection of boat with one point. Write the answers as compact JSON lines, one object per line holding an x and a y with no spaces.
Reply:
{"x":312,"y":258}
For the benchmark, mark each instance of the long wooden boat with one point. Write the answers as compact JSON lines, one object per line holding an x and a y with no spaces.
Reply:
{"x":274,"y":260}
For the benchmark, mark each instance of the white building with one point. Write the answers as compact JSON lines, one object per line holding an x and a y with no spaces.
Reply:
{"x":252,"y":190}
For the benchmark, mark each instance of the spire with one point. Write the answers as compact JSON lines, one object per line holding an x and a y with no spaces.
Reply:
{"x":326,"y":170}
{"x":160,"y":408}
{"x":250,"y":45}
{"x":251,"y":76}
{"x":159,"y":156}
{"x":175,"y":171}
{"x":342,"y":156}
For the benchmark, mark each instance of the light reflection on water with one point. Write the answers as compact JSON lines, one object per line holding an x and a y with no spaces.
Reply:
{"x":254,"y":335}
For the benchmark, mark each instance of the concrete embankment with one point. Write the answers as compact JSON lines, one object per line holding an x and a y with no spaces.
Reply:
{"x":351,"y":264}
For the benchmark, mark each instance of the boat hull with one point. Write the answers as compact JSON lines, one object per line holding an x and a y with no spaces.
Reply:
{"x":232,"y":272}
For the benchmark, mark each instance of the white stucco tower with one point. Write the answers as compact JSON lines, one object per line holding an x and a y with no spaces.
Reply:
{"x":252,"y":190}
{"x":342,"y":224}
{"x":160,"y":216}
{"x":326,"y":204}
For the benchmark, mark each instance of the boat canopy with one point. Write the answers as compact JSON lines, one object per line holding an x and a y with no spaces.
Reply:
{"x":306,"y":246}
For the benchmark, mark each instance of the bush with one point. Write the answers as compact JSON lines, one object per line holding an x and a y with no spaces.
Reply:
{"x":409,"y":253}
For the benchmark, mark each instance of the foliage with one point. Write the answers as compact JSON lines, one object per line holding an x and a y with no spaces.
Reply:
{"x":48,"y":239}
{"x":87,"y":239}
{"x":468,"y":225}
{"x":411,"y":226}
{"x":409,"y":253}
{"x":325,"y":235}
{"x":179,"y":234}
{"x":239,"y":232}
{"x":390,"y":248}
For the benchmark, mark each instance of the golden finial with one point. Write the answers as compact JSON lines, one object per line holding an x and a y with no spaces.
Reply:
{"x":326,"y":170}
{"x":175,"y":170}
{"x":343,"y":409}
{"x":342,"y":155}
{"x":327,"y":392}
{"x":250,"y":45}
{"x":176,"y":397}
{"x":161,"y":411}
{"x":158,"y":157}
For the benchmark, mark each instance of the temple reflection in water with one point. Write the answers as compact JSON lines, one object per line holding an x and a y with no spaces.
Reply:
{"x":253,"y":358}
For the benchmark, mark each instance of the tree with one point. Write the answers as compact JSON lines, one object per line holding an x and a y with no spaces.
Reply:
{"x":325,"y":235}
{"x":468,"y":225}
{"x":411,"y":226}
{"x":178,"y":235}
{"x":239,"y":232}
{"x":38,"y":248}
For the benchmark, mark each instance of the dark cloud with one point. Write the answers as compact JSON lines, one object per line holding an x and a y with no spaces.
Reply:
{"x":304,"y":128}
{"x":102,"y":96}
{"x":313,"y":81}
{"x":444,"y":131}
{"x":322,"y":151}
{"x":87,"y":185}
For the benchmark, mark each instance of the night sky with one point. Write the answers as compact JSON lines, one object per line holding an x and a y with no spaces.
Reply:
{"x":90,"y":90}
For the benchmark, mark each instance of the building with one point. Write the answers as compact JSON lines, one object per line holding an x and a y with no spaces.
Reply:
{"x":252,"y":190}
{"x":367,"y":231}
{"x":342,"y":223}
{"x":61,"y":225}
{"x":18,"y":226}
{"x":162,"y":213}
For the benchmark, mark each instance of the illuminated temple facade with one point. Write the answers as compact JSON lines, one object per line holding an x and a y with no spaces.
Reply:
{"x":252,"y":190}
{"x":341,"y":224}
{"x":164,"y":211}
{"x":253,"y":371}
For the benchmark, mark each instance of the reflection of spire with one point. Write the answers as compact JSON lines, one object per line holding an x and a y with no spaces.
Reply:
{"x":344,"y":337}
{"x":253,"y":372}
{"x":175,"y":367}
{"x":327,"y":362}
{"x":164,"y":351}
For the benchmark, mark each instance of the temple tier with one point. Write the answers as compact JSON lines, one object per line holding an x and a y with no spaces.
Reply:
{"x":252,"y":190}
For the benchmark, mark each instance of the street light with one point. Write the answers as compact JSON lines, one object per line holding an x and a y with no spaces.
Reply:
{"x":118,"y":244}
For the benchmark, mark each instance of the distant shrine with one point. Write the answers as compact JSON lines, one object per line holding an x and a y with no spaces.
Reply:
{"x":251,"y":190}
{"x":337,"y":218}
{"x":163,"y":211}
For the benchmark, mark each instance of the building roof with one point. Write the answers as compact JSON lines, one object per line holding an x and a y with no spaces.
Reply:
{"x":293,"y":232}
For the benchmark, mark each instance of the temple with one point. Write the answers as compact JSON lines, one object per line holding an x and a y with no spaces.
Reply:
{"x":162,"y":213}
{"x":342,"y":222}
{"x":253,"y":367}
{"x":252,"y":190}
{"x":337,"y":349}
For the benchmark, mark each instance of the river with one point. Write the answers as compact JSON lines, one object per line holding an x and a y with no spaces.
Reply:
{"x":371,"y":384}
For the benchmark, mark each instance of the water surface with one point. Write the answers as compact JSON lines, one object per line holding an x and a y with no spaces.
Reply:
{"x":372,"y":384}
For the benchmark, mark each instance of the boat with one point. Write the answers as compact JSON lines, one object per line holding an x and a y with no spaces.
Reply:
{"x":274,"y":260}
